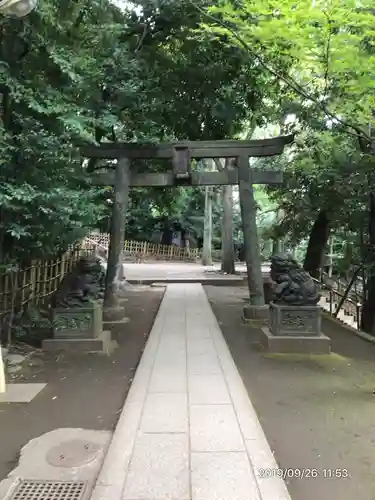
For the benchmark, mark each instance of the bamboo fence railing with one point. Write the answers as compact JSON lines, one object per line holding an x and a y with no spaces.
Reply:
{"x":41,"y":279}
{"x":34,"y":283}
{"x":38,"y":281}
{"x":146,"y":250}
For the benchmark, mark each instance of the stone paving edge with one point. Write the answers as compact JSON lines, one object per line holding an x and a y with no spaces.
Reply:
{"x":111,"y":480}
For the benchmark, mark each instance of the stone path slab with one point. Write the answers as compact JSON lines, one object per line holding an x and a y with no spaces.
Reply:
{"x":177,"y":271}
{"x":21,"y":393}
{"x":188,"y":430}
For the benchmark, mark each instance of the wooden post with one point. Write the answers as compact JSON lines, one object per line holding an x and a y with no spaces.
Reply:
{"x":2,"y":373}
{"x":330,"y":257}
{"x":250,"y":232}
{"x":117,"y":234}
{"x":62,"y":268}
{"x":207,"y":230}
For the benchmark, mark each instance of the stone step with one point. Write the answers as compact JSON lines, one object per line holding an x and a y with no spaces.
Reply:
{"x":204,"y":280}
{"x":103,"y":343}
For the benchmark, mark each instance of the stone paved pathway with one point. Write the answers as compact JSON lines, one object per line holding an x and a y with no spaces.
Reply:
{"x":188,"y":429}
{"x":170,"y":271}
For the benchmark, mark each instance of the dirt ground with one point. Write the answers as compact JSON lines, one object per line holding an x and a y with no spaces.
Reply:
{"x":317,"y":411}
{"x":83,"y":391}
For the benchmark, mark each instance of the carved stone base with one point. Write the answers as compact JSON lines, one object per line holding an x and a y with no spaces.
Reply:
{"x":259,"y":313}
{"x":302,"y":321}
{"x":295,"y":344}
{"x":77,"y":322}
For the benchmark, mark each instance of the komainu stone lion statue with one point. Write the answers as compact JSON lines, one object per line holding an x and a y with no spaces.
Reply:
{"x":293,"y":286}
{"x":84,"y":283}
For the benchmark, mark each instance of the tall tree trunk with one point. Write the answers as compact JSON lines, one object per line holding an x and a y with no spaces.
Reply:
{"x":277,"y":242}
{"x":277,"y":246}
{"x":368,"y":308}
{"x":317,"y":244}
{"x":207,"y":231}
{"x":364,"y":256}
{"x":227,"y":248}
{"x":2,"y":373}
{"x":330,"y":260}
{"x":347,"y":261}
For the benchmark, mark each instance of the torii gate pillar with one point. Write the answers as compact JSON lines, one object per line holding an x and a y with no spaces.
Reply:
{"x":257,"y":308}
{"x":115,"y":272}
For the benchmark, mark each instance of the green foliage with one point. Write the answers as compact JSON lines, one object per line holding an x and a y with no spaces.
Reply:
{"x":90,"y":72}
{"x":324,"y":170}
{"x":47,"y":72}
{"x":321,"y":51}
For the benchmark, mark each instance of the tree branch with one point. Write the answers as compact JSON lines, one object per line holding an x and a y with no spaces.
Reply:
{"x":358,"y":132}
{"x":327,"y":53}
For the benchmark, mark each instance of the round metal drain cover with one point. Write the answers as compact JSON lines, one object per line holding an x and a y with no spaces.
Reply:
{"x":74,"y":453}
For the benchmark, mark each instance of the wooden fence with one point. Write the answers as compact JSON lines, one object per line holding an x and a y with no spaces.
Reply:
{"x":38,"y":281}
{"x":145,"y":250}
{"x":42,"y":278}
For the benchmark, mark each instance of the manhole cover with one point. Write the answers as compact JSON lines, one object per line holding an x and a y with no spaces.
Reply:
{"x":49,"y":490}
{"x":74,"y":453}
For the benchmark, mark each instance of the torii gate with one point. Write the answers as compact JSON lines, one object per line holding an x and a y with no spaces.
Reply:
{"x":181,"y":174}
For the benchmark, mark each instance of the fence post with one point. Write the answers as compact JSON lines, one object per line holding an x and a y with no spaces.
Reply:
{"x":2,"y":373}
{"x":62,"y":268}
{"x":33,"y":282}
{"x":6,"y":292}
{"x":43,"y":279}
{"x":23,"y":281}
{"x":358,"y":312}
{"x":38,"y":284}
{"x":57,"y":274}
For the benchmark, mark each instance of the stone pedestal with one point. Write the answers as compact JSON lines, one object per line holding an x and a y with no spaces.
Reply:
{"x":111,"y":314}
{"x":295,"y":320}
{"x":255,"y":313}
{"x":295,"y":329}
{"x":78,"y":322}
{"x":268,"y":291}
{"x":79,"y":329}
